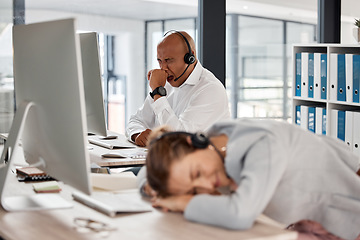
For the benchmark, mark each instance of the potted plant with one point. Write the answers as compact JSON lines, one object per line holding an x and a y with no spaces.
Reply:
{"x":357,"y":30}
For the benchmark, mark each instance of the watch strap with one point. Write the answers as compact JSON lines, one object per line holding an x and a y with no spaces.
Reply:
{"x":158,"y":91}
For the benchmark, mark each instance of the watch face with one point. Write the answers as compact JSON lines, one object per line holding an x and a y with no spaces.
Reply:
{"x":158,"y":91}
{"x":162,"y":91}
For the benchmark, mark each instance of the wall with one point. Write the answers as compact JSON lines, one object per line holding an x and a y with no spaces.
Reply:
{"x":347,"y":33}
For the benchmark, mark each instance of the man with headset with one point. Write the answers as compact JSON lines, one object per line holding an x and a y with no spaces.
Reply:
{"x":185,"y":95}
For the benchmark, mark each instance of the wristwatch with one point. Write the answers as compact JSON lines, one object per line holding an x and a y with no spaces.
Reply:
{"x":158,"y":91}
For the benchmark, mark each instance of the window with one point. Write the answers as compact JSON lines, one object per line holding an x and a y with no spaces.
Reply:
{"x":118,"y":37}
{"x":258,"y":52}
{"x":259,"y":67}
{"x":6,"y":71}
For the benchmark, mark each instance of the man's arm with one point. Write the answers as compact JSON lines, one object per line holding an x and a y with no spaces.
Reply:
{"x":141,"y":139}
{"x":202,"y":111}
{"x":143,"y":119}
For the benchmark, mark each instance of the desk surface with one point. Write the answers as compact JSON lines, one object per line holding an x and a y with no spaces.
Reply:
{"x":59,"y":224}
{"x":96,"y":152}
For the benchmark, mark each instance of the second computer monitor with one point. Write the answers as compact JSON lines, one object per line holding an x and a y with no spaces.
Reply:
{"x":95,"y":111}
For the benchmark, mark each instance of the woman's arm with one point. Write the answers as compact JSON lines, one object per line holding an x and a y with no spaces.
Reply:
{"x":172,"y":203}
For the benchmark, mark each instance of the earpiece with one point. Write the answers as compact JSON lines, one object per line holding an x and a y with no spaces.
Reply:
{"x":198,"y":140}
{"x":189,"y":58}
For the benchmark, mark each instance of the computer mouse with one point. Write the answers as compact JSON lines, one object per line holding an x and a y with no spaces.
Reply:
{"x":109,"y":137}
{"x":113,"y":155}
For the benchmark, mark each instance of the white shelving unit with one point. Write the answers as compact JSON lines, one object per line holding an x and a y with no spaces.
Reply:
{"x":324,"y":103}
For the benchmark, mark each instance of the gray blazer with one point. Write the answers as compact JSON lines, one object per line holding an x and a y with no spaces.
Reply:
{"x":286,"y":173}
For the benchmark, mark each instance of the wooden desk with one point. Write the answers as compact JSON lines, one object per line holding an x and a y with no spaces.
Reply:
{"x":59,"y":224}
{"x":96,"y":151}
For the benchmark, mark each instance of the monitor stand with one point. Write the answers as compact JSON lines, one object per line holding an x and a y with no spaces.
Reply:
{"x":24,"y":202}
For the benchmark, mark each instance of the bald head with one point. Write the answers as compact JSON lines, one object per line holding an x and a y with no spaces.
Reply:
{"x":174,"y":38}
{"x":173,"y":57}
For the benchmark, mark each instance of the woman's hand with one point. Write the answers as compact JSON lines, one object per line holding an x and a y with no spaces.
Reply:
{"x":149,"y":191}
{"x":172,"y":203}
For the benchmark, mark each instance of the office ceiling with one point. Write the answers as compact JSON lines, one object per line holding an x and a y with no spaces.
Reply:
{"x":167,"y":9}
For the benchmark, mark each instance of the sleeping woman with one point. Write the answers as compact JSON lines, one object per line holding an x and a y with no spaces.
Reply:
{"x":243,"y":168}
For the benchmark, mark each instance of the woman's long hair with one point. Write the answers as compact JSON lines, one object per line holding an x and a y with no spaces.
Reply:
{"x":163,"y":150}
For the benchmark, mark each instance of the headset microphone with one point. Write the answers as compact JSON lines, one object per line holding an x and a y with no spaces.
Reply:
{"x":182,"y":73}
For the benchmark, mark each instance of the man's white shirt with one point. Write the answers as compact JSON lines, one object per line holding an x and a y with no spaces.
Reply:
{"x":194,"y":106}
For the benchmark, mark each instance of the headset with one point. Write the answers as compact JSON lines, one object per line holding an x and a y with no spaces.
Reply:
{"x":189,"y":57}
{"x":198,"y":140}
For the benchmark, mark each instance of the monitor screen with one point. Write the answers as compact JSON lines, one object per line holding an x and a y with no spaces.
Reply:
{"x":95,"y":112}
{"x":48,"y":74}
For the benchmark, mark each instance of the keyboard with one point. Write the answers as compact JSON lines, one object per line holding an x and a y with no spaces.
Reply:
{"x":114,"y":203}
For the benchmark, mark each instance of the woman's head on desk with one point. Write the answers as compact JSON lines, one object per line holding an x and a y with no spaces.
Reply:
{"x":180,"y":163}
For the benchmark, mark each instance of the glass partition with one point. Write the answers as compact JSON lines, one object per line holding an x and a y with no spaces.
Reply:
{"x":258,"y":53}
{"x":259,"y":64}
{"x":121,"y":42}
{"x":6,"y":68}
{"x":121,"y":28}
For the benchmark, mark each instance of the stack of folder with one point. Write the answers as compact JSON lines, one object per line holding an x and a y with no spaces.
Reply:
{"x":311,"y":118}
{"x":322,"y":78}
{"x":345,"y":126}
{"x":311,"y":75}
{"x":344,"y":77}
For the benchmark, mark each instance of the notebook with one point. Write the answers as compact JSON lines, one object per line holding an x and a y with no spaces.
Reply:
{"x":47,"y":187}
{"x":26,"y":174}
{"x":114,"y":203}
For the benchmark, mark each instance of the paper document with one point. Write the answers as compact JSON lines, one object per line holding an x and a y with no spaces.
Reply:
{"x":114,"y":182}
{"x":120,"y":142}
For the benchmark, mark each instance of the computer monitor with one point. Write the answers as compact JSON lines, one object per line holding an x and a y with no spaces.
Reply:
{"x":95,"y":111}
{"x":50,"y":120}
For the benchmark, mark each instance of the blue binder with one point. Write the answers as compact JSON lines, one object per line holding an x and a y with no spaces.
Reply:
{"x":341,"y":92}
{"x":298,"y":74}
{"x":324,"y":122}
{"x":341,"y":125}
{"x":311,"y":76}
{"x":356,"y":77}
{"x":323,"y":74}
{"x":297,"y":114}
{"x":311,"y":123}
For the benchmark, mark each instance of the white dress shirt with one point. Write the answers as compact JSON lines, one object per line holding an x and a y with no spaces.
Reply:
{"x":194,"y":106}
